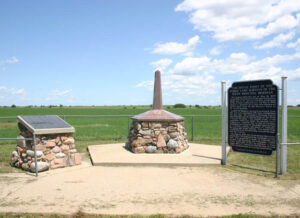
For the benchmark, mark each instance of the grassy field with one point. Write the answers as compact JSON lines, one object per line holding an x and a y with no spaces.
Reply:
{"x":100,"y":130}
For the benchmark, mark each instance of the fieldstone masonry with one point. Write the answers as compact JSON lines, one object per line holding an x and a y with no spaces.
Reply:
{"x":52,"y":151}
{"x":157,"y":137}
{"x":157,"y":130}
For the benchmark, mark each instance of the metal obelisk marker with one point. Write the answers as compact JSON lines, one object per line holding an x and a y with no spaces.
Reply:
{"x":157,"y":99}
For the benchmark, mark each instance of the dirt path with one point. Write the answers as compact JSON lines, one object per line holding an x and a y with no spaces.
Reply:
{"x":148,"y":190}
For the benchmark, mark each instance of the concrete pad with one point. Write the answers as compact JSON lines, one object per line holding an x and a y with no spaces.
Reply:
{"x":117,"y":155}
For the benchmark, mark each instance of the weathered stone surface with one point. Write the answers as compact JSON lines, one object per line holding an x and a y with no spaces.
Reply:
{"x":172,"y":129}
{"x":20,"y":150}
{"x":64,"y":148}
{"x":25,"y":166}
{"x":77,"y":159}
{"x":178,"y":150}
{"x":50,"y":144}
{"x":161,"y":141}
{"x":145,"y":124}
{"x":139,"y":149}
{"x":41,"y":166}
{"x":172,"y":144}
{"x":137,"y":126}
{"x":141,"y":141}
{"x":60,"y":155}
{"x":41,"y":147}
{"x":69,"y":140}
{"x":173,"y":134}
{"x":146,"y":132}
{"x":166,"y":137}
{"x":46,"y":152}
{"x":30,"y":153}
{"x":21,"y":141}
{"x":63,"y":138}
{"x":155,"y":125}
{"x":56,"y":149}
{"x":159,"y":151}
{"x":57,"y":140}
{"x":151,"y":149}
{"x":37,"y":140}
{"x":59,"y":161}
{"x":156,"y":133}
{"x":49,"y":157}
{"x":72,"y":146}
{"x":72,"y":151}
{"x":147,"y":137}
{"x":133,"y":143}
{"x":13,"y":160}
{"x":15,"y":154}
{"x":39,"y":154}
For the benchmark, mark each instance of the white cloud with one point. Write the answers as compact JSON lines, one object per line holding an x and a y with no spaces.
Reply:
{"x":146,"y":84}
{"x":295,"y":45}
{"x":201,"y":76}
{"x":10,"y":96}
{"x":190,"y":65}
{"x":4,"y":63}
{"x":11,"y":91}
{"x":162,"y":64}
{"x":170,"y":48}
{"x":183,"y":85}
{"x":59,"y":95}
{"x":241,"y":20}
{"x":215,"y":50}
{"x":277,"y":41}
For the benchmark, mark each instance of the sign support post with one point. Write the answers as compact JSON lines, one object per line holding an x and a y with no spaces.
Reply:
{"x":283,"y":125}
{"x":223,"y":103}
{"x":35,"y":156}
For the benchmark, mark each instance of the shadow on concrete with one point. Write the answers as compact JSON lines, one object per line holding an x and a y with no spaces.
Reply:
{"x":206,"y":157}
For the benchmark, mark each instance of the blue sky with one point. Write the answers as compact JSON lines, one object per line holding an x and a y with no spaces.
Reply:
{"x":105,"y":52}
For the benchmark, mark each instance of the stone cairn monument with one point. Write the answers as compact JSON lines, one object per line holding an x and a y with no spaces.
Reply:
{"x":55,"y":150}
{"x":157,"y":130}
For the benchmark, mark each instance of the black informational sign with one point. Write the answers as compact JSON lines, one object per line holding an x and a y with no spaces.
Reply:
{"x":253,"y":117}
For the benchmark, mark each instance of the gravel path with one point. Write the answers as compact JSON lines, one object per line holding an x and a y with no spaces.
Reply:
{"x":206,"y":191}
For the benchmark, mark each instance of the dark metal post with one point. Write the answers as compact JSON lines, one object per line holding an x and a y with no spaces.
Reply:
{"x":35,"y":157}
{"x":192,"y":128}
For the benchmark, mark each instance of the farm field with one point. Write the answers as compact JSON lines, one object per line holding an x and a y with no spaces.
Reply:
{"x":101,"y":130}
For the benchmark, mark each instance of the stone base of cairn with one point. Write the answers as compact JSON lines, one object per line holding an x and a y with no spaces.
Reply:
{"x":157,"y":137}
{"x":52,"y":151}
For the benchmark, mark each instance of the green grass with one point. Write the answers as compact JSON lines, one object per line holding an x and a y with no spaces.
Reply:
{"x":101,"y":130}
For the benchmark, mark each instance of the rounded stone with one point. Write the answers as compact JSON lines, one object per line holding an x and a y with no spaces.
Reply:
{"x":21,"y":141}
{"x":56,"y":149}
{"x":172,"y":144}
{"x":30,"y":153}
{"x":60,"y":155}
{"x":151,"y":149}
{"x":72,"y":151}
{"x":41,"y":166}
{"x":69,"y":140}
{"x":25,"y":166}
